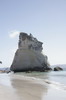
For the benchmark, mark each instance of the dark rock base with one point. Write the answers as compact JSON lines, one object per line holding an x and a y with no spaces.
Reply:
{"x":38,"y":69}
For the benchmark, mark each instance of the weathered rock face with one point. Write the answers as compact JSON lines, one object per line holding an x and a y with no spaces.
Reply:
{"x":29,"y":55}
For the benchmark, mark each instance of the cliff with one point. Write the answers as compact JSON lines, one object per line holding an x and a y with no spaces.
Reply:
{"x":29,"y":55}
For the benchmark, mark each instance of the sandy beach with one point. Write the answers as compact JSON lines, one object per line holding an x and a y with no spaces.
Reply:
{"x":15,"y":87}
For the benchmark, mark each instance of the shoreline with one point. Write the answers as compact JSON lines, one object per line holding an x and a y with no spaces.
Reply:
{"x":24,"y":88}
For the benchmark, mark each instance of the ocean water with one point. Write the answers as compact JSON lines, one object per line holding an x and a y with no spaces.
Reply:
{"x":58,"y":76}
{"x":55,"y":78}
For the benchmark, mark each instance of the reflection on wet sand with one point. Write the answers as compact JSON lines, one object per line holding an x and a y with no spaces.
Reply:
{"x":28,"y":90}
{"x":17,"y":87}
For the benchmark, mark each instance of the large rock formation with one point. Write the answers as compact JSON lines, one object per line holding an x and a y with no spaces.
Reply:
{"x":29,"y":55}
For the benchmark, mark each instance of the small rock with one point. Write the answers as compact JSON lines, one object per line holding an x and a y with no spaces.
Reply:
{"x":5,"y":71}
{"x":58,"y":68}
{"x":0,"y":62}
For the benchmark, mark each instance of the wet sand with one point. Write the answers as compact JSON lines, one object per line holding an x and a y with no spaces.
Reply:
{"x":15,"y":87}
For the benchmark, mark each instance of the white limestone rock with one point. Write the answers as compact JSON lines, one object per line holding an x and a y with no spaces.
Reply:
{"x":29,"y":55}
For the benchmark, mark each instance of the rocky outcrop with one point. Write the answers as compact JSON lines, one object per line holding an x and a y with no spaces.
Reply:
{"x":58,"y":68}
{"x":0,"y":62}
{"x":29,"y":55}
{"x":5,"y":70}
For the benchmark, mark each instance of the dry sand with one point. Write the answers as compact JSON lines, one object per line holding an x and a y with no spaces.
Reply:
{"x":14,"y":87}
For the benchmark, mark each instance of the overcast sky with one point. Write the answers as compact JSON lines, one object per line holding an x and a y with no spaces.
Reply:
{"x":45,"y":19}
